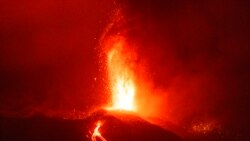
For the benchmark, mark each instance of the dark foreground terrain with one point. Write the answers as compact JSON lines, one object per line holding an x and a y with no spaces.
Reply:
{"x":116,"y":126}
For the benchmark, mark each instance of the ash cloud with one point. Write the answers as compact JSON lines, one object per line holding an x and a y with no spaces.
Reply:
{"x":196,"y":56}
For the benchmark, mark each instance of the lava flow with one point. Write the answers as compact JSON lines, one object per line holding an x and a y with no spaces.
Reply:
{"x":96,"y":134}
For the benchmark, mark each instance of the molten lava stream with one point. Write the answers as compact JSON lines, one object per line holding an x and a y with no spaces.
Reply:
{"x":96,"y":134}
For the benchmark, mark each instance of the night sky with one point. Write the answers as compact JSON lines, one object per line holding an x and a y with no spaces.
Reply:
{"x":195,"y":53}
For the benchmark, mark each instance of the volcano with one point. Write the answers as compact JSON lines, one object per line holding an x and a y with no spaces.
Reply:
{"x":116,"y":126}
{"x":126,"y":126}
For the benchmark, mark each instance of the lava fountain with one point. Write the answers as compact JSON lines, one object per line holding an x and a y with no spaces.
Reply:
{"x":121,"y":76}
{"x":119,"y":64}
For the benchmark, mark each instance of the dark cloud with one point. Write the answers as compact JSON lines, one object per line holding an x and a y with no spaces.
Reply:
{"x":197,"y":56}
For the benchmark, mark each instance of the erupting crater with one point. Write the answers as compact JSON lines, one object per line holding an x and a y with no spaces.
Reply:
{"x":122,"y":118}
{"x":117,"y":125}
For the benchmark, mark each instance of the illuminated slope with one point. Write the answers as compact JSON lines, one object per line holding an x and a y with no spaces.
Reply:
{"x":126,"y":126}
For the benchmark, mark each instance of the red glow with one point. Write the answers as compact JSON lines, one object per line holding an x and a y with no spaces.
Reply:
{"x":121,"y":75}
{"x":130,"y":88}
{"x":96,"y":134}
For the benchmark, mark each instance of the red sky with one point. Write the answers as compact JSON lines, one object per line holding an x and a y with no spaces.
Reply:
{"x":196,"y":53}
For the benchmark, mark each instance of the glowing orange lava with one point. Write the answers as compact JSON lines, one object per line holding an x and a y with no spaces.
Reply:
{"x":96,"y":134}
{"x":119,"y":65}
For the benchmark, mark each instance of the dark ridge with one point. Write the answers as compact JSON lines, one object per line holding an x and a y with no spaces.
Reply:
{"x":116,"y":126}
